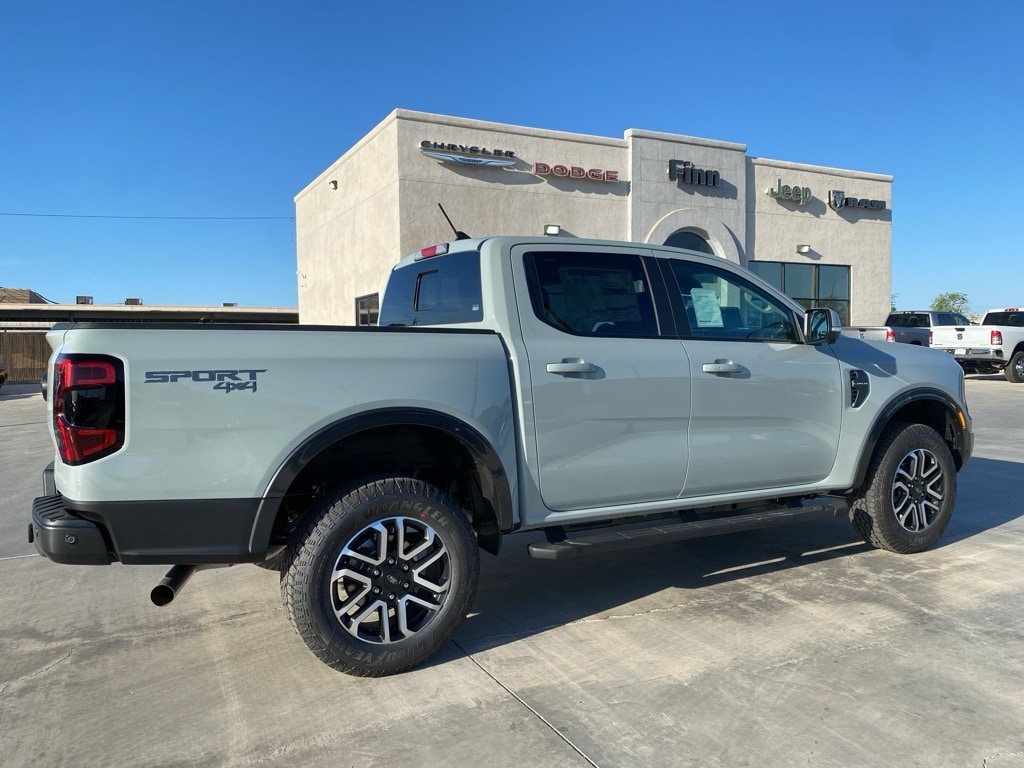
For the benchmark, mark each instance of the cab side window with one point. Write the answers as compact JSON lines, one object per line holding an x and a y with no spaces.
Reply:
{"x":592,"y":294}
{"x":721,"y":305}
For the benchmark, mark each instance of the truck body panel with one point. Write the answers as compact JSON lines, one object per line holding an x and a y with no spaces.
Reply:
{"x":516,"y":384}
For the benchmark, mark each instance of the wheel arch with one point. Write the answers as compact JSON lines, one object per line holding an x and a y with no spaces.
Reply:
{"x":439,"y":448}
{"x":927,"y":406}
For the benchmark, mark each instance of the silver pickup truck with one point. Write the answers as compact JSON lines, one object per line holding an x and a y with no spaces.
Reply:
{"x":554,"y":385}
{"x":995,"y":345}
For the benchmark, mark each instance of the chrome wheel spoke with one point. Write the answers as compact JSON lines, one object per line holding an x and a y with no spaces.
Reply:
{"x":420,"y":570}
{"x":364,"y":550}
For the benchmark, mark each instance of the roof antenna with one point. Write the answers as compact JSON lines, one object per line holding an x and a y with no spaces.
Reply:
{"x":458,"y":235}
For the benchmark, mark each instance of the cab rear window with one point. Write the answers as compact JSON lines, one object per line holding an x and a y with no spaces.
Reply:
{"x":1004,"y":318}
{"x":438,"y":291}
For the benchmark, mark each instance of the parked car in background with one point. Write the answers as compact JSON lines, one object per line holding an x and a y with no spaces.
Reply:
{"x":914,"y":326}
{"x":3,"y":374}
{"x":907,"y":326}
{"x":995,"y":345}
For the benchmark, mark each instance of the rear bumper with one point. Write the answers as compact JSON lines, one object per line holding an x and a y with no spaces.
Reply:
{"x":64,"y":538}
{"x":975,"y":354}
{"x":168,"y":532}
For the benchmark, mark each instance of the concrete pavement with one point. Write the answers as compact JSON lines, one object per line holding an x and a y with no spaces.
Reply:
{"x":793,"y":646}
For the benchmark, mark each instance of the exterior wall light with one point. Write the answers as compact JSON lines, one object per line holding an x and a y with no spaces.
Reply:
{"x":803,"y":249}
{"x":553,"y":230}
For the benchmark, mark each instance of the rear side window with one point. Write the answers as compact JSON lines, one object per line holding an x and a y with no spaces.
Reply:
{"x":592,"y":294}
{"x":438,"y":291}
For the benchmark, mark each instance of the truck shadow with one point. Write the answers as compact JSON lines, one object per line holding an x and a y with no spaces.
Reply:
{"x":519,"y":597}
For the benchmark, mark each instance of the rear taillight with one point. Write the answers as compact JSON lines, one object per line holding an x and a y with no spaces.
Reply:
{"x":890,"y":334}
{"x":88,"y":407}
{"x":996,"y":338}
{"x":930,"y":333}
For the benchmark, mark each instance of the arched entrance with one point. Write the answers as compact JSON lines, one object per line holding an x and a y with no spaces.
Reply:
{"x":690,"y":240}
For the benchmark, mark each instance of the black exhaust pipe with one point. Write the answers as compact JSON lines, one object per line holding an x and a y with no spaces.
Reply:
{"x":172,"y":584}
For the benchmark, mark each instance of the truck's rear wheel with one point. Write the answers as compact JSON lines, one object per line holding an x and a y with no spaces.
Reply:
{"x":1014,"y":370}
{"x":381,"y":576}
{"x":907,"y":497}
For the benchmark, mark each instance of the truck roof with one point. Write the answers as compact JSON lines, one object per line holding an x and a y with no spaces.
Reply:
{"x":475,"y":243}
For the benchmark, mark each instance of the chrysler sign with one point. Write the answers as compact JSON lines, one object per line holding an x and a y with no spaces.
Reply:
{"x":468,"y":155}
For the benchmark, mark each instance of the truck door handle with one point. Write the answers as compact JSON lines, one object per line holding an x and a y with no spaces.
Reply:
{"x":722,"y":366}
{"x":571,"y":365}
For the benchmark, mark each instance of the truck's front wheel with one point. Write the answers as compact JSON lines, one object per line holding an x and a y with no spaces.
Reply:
{"x":381,"y":576}
{"x":907,"y":497}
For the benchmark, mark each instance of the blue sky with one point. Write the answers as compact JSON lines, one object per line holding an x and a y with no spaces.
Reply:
{"x":210,"y":117}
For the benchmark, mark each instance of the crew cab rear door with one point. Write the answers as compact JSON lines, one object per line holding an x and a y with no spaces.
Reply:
{"x":610,"y":388}
{"x":766,"y":408}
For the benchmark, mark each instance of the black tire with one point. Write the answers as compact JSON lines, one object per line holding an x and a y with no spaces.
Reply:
{"x":1014,"y":370}
{"x":909,"y":492}
{"x":381,"y":576}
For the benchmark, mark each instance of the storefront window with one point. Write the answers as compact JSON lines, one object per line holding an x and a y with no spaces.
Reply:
{"x":367,"y":308}
{"x":811,"y":285}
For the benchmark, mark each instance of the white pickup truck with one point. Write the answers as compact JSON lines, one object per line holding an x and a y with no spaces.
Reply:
{"x":997,"y":344}
{"x":565,"y":387}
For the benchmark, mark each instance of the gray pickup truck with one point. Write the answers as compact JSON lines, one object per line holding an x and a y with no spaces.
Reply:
{"x":607,"y":395}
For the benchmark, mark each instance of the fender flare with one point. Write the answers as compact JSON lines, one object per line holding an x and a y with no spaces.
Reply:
{"x":961,"y":436}
{"x":493,"y":478}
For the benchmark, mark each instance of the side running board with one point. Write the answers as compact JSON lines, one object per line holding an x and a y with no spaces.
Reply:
{"x":607,"y":540}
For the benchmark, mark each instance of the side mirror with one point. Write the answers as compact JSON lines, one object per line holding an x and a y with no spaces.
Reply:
{"x":821,"y":325}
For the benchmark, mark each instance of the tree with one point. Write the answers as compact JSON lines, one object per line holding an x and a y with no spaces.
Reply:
{"x":951,"y":302}
{"x":892,"y":302}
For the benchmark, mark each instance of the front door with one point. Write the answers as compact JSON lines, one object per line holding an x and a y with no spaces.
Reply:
{"x":766,"y":408}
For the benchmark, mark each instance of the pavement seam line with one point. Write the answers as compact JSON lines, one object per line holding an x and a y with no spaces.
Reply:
{"x":38,"y":672}
{"x":518,"y":698}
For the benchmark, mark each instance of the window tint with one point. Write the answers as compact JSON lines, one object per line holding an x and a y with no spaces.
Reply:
{"x":721,"y":305}
{"x":799,"y":279}
{"x":1004,"y":318}
{"x":592,"y":294}
{"x":769,"y":271}
{"x":812,"y":285}
{"x":437,"y":291}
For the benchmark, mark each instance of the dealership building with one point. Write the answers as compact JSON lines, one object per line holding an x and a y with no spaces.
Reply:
{"x":822,"y":235}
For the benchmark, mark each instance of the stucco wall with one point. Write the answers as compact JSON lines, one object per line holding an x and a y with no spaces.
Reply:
{"x":662,"y":206}
{"x":385,"y":205}
{"x":346,"y":232}
{"x":859,"y":238}
{"x":513,"y":200}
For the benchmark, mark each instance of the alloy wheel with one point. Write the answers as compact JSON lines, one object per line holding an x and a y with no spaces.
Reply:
{"x":918,"y":490}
